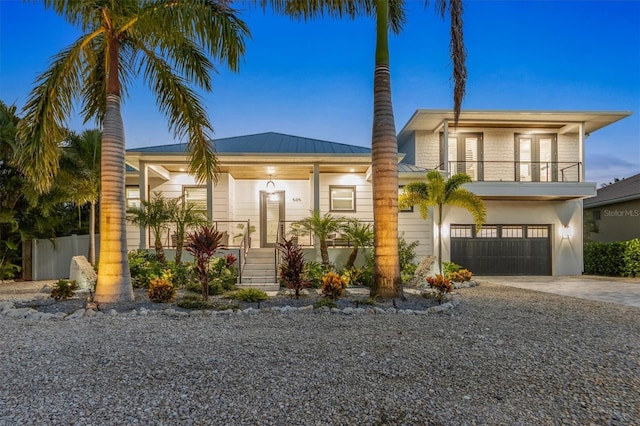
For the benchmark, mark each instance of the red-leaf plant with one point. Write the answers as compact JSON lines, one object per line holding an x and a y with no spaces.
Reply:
{"x":292,"y":265}
{"x":203,"y":245}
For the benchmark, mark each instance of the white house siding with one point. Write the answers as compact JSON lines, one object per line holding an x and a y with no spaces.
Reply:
{"x":427,"y":146}
{"x":364,"y":196}
{"x":569,"y":153}
{"x":566,"y":253}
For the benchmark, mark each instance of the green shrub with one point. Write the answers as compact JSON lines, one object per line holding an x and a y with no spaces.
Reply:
{"x":161,"y":290}
{"x":250,"y":295}
{"x":64,"y":289}
{"x":449,"y":268}
{"x":604,"y":258}
{"x":144,"y":266}
{"x":193,"y":301}
{"x":407,"y":255}
{"x":313,"y":273}
{"x":353,"y":276}
{"x":329,"y":303}
{"x":182,"y":273}
{"x":631,"y":259}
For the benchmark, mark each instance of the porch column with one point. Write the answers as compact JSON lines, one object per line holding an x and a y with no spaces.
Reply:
{"x":143,"y":183}
{"x":316,"y":187}
{"x":209,"y":201}
{"x":445,"y":148}
{"x":581,"y":138}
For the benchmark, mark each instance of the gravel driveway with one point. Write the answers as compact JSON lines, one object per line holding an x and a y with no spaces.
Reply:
{"x":503,"y":356}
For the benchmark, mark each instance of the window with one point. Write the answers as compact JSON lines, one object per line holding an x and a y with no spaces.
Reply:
{"x":461,"y":231}
{"x":596,"y":215}
{"x":512,"y":231}
{"x":465,"y":152}
{"x":407,"y":210}
{"x":132,"y":195}
{"x":536,"y":158}
{"x":537,"y":232}
{"x":488,"y":231}
{"x":195,"y":196}
{"x":342,"y":198}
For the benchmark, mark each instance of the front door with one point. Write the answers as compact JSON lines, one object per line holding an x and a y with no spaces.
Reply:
{"x":271,"y":213}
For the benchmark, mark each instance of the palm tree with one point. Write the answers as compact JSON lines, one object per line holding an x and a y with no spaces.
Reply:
{"x":79,"y":176}
{"x":155,"y":214}
{"x":183,"y":216}
{"x":389,"y":15}
{"x":321,"y":227}
{"x":438,"y":192}
{"x":168,"y":44}
{"x":360,"y":235}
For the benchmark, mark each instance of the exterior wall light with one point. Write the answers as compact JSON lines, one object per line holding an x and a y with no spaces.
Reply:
{"x":567,"y":232}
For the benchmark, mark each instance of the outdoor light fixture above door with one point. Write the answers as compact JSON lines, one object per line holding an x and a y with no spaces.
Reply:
{"x":271,"y":186}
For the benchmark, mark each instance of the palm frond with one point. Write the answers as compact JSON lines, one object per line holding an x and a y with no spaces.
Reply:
{"x":455,"y":181}
{"x":471,"y":202}
{"x":458,"y":57}
{"x":214,"y":25}
{"x":184,"y":112}
{"x":45,"y":115}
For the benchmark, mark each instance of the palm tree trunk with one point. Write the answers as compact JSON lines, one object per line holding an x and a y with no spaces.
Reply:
{"x":386,"y":279}
{"x":92,"y":233}
{"x":158,"y":246}
{"x":440,"y":238}
{"x":324,"y":252}
{"x":114,"y":277}
{"x":352,"y":258}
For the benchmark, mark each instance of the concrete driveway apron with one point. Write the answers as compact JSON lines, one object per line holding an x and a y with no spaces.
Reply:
{"x":624,"y":291}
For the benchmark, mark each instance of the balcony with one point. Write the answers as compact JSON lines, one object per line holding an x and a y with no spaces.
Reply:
{"x":525,"y":180}
{"x":518,"y":171}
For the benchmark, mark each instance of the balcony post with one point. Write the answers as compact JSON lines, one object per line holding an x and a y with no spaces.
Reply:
{"x":581,"y":138}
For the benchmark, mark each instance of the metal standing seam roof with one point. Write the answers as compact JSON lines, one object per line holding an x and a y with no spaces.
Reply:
{"x":623,"y":190}
{"x":264,"y":143}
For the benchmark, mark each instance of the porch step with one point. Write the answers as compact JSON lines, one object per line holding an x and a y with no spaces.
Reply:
{"x":270,"y":287}
{"x":259,"y":269}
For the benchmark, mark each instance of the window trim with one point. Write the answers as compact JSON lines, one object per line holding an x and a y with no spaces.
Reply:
{"x":128,"y":199}
{"x":185,"y":188}
{"x":353,"y":191}
{"x":407,"y":210}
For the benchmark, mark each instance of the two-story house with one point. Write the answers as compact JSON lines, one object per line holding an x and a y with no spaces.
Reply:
{"x":527,"y":166}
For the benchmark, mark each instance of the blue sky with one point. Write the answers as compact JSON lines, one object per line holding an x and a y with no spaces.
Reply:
{"x":315,"y":79}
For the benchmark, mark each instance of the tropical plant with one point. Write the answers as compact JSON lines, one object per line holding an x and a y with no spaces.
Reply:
{"x":249,"y":295}
{"x":460,"y":276}
{"x":321,"y":226}
{"x":161,"y":290}
{"x":203,"y":244}
{"x":64,"y":289}
{"x":292,"y":266}
{"x":360,"y":235}
{"x":333,"y":285}
{"x":79,"y":176}
{"x":441,"y":284}
{"x":169,"y":45}
{"x":184,"y":216}
{"x":437,"y":192}
{"x":407,"y":253}
{"x":143,"y":267}
{"x":390,"y":15}
{"x":155,"y":214}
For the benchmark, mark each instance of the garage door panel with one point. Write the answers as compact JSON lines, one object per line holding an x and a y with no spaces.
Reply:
{"x":503,"y":256}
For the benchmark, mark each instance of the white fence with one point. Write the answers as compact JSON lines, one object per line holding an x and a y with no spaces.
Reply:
{"x":50,"y":259}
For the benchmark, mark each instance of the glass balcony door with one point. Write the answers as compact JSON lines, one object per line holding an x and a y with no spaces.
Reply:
{"x":536,"y":158}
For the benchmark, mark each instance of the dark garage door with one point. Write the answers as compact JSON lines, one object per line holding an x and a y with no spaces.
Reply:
{"x":502,"y":249}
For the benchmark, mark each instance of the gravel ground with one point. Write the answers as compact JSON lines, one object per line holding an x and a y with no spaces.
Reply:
{"x":503,"y":356}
